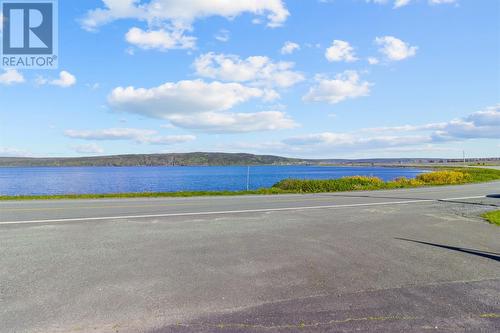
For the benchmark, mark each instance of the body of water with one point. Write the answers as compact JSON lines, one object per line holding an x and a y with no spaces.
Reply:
{"x":82,"y":180}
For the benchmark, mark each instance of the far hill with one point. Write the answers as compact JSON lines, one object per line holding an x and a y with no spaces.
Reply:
{"x":181,"y":159}
{"x":218,"y":159}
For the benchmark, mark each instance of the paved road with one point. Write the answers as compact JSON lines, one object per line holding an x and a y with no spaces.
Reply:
{"x":386,"y":261}
{"x":78,"y":210}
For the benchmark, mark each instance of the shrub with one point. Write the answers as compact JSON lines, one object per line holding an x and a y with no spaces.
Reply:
{"x":444,"y":177}
{"x":406,"y":182}
{"x":330,"y":185}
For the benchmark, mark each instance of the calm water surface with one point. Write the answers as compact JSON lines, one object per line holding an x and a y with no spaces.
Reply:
{"x":81,"y":180}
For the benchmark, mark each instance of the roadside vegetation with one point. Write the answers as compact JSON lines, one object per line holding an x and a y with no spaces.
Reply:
{"x":441,"y":176}
{"x":493,"y":217}
{"x":184,"y":194}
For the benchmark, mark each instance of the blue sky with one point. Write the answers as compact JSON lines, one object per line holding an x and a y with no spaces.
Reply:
{"x":305,"y":78}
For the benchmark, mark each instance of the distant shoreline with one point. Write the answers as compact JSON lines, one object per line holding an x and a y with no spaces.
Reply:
{"x":229,"y":159}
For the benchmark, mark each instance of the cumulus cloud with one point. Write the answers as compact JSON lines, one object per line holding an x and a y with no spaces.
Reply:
{"x":340,"y":51}
{"x":10,"y":77}
{"x":424,"y":138}
{"x":401,"y":3}
{"x":91,"y":148}
{"x":480,"y":124}
{"x":217,"y":122}
{"x":373,"y":61}
{"x":65,"y":80}
{"x":258,"y":70}
{"x":182,"y":12}
{"x":346,"y":85}
{"x":395,"y":49}
{"x":143,"y":136}
{"x":197,"y":105}
{"x":290,"y":47}
{"x":182,"y":97}
{"x":488,"y":117}
{"x":483,"y":124}
{"x":161,"y":39}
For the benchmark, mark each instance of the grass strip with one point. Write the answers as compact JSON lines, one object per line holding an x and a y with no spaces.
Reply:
{"x":441,"y":176}
{"x":492,"y":217}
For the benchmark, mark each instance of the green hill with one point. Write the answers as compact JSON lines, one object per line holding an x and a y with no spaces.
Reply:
{"x":187,"y":159}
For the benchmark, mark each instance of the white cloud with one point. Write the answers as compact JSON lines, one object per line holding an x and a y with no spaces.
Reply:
{"x":169,"y":139}
{"x":481,"y":124}
{"x":395,"y":49}
{"x":110,"y":134}
{"x":478,"y":125}
{"x":162,"y":39}
{"x":223,"y":35}
{"x":11,"y":76}
{"x":13,"y":152}
{"x":440,"y":2}
{"x":197,"y":105}
{"x":65,"y":80}
{"x":142,"y":136}
{"x":91,"y":148}
{"x":373,"y":61}
{"x":183,"y":97}
{"x":340,"y":51}
{"x":403,"y":3}
{"x":182,"y":12}
{"x":423,"y":139}
{"x":290,"y":47}
{"x":258,"y":70}
{"x":346,"y":85}
{"x":488,"y":117}
{"x":345,"y":140}
{"x":405,"y":128}
{"x":218,"y":122}
{"x":396,"y":3}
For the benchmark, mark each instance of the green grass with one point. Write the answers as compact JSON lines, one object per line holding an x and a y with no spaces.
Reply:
{"x":440,"y":176}
{"x":493,"y":217}
{"x":264,"y":191}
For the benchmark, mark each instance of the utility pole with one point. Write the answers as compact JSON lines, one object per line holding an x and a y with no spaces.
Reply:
{"x":463,"y":153}
{"x":248,"y":178}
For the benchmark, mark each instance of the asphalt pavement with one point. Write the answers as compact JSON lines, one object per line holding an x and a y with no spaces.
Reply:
{"x":386,"y":261}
